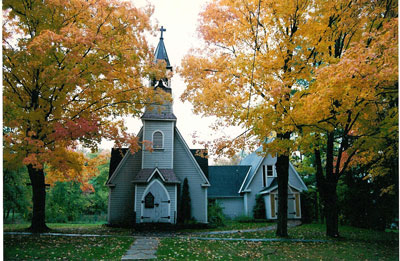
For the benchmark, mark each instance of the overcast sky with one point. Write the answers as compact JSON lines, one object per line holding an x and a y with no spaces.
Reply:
{"x":179,"y":17}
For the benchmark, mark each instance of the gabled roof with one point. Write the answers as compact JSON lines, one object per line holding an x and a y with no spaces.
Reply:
{"x":256,"y":160}
{"x":158,"y":116}
{"x":226,"y":180}
{"x":145,"y":175}
{"x":196,"y":164}
{"x":201,"y":160}
{"x":117,"y":154}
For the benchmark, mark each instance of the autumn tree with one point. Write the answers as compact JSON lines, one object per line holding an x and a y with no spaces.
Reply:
{"x":255,"y":54}
{"x":349,"y":114}
{"x":70,"y":70}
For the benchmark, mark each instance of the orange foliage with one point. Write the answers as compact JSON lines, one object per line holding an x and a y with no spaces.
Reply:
{"x":71,"y":69}
{"x":301,"y":67}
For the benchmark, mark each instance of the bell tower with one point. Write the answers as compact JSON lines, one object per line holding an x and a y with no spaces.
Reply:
{"x":162,"y":110}
{"x":159,"y":119}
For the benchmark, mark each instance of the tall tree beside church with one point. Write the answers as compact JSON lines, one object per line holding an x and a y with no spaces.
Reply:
{"x":254,"y":56}
{"x":70,"y":69}
{"x":185,"y":211}
{"x":350,"y":112}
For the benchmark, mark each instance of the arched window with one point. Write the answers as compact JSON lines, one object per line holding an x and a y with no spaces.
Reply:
{"x":149,"y":201}
{"x":157,"y":140}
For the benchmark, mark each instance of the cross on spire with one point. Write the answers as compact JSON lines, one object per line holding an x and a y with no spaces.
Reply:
{"x":162,"y":29}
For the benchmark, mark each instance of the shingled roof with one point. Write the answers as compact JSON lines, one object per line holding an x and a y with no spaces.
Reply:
{"x":226,"y":180}
{"x":202,"y":159}
{"x":167,"y":175}
{"x":155,"y":115}
{"x":117,"y":154}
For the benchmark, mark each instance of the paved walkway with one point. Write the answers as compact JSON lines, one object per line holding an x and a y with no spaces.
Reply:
{"x":142,"y":248}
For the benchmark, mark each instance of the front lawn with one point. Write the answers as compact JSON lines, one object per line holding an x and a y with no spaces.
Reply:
{"x":66,"y":228}
{"x":357,"y":244}
{"x":23,"y":247}
{"x":102,"y":229}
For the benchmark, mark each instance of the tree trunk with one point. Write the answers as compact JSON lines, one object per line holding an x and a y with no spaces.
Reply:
{"x":282,"y":167}
{"x":8,"y":213}
{"x":38,"y":223}
{"x":332,"y":226}
{"x":316,"y":206}
{"x":327,"y":188}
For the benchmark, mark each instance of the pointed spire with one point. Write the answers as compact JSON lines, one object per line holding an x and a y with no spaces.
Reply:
{"x":161,"y":52}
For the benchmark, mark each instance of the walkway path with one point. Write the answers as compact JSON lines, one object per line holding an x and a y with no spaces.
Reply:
{"x":142,"y":248}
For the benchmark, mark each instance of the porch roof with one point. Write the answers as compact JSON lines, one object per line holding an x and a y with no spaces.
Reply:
{"x":145,"y":175}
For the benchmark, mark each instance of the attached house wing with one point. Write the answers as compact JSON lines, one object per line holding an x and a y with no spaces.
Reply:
{"x":226,"y":180}
{"x":255,"y":161}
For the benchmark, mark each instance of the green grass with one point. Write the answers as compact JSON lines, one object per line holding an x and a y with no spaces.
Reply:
{"x":100,"y":228}
{"x":66,"y":228}
{"x":18,"y":247}
{"x":356,"y":244}
{"x":230,"y":225}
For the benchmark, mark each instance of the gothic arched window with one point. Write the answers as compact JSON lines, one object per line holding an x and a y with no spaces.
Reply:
{"x":157,"y":140}
{"x":149,"y":201}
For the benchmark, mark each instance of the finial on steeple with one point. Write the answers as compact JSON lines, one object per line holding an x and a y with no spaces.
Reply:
{"x":162,"y":29}
{"x":161,"y":52}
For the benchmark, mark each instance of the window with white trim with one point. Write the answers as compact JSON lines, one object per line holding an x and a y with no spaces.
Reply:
{"x":268,"y":171}
{"x":157,"y":140}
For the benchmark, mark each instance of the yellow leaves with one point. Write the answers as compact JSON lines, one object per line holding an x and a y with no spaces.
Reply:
{"x":72,"y":67}
{"x":68,"y":165}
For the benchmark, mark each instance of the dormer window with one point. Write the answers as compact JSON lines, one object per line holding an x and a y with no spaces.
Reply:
{"x":268,"y":172}
{"x":157,"y":140}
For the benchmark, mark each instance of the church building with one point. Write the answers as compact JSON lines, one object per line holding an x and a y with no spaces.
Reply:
{"x":145,"y":186}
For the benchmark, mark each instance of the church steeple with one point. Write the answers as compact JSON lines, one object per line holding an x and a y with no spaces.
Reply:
{"x":161,"y":52}
{"x":160,"y":111}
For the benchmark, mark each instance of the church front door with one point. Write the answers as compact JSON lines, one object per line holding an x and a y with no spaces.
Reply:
{"x":156,"y":204}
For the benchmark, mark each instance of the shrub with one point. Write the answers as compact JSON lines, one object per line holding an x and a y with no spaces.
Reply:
{"x":216,"y":217}
{"x":259,"y":208}
{"x":185,"y":210}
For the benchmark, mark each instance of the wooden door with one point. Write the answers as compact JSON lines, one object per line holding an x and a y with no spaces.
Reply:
{"x":159,"y":210}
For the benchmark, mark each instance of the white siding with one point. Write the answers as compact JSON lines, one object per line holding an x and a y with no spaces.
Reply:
{"x":232,"y":207}
{"x":139,"y":194}
{"x":121,"y":206}
{"x":185,"y":167}
{"x":256,"y":184}
{"x":161,"y":158}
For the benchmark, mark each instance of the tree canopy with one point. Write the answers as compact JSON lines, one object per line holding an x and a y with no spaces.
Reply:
{"x":71,"y":69}
{"x":323,"y":74}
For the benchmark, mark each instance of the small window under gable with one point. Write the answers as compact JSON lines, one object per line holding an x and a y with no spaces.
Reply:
{"x":268,"y":171}
{"x":157,"y":140}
